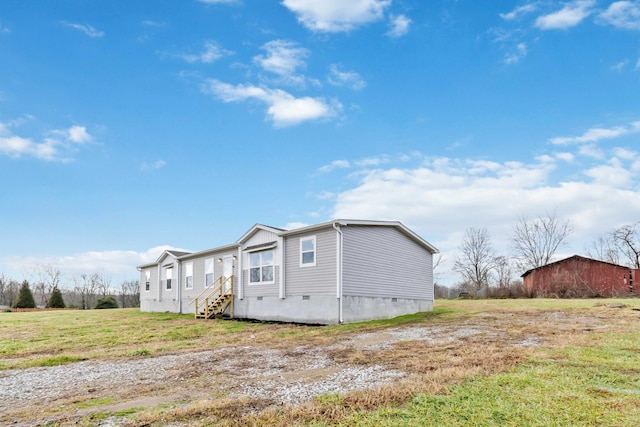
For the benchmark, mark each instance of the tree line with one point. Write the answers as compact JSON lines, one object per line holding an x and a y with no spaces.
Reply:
{"x":534,"y":243}
{"x":82,"y":291}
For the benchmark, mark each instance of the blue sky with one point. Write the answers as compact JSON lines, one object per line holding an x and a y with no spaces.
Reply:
{"x":130,"y":127}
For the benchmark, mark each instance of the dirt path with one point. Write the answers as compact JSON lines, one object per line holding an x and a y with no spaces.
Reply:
{"x":267,"y":375}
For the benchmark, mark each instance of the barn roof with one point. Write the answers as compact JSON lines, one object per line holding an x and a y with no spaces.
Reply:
{"x":576,"y":257}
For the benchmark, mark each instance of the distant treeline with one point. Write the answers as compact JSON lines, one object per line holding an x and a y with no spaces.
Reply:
{"x":82,"y":291}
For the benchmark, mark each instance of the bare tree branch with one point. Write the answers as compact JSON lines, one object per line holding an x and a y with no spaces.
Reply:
{"x":476,"y":258}
{"x":536,"y":241}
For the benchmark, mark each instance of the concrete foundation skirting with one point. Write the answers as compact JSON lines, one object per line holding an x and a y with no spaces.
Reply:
{"x":361,"y":309}
{"x":325,"y":309}
{"x":310,"y":309}
{"x":153,"y":305}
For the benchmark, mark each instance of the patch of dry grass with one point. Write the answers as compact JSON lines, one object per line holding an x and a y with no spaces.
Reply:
{"x":507,"y":334}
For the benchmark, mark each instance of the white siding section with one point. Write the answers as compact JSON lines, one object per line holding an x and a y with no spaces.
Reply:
{"x":319,"y":279}
{"x":383,"y":262}
{"x":259,"y":238}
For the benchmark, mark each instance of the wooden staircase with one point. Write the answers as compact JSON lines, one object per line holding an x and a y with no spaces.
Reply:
{"x":214,"y":301}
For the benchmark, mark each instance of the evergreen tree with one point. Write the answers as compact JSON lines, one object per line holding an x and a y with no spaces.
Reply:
{"x":25,"y":297}
{"x":56,"y":300}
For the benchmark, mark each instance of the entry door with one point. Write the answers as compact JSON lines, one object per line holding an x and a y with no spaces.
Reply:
{"x":227,"y":271}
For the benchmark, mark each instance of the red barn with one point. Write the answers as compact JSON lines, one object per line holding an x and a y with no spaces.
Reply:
{"x":578,"y":276}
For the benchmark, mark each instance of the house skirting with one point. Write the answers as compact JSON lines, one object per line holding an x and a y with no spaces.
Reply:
{"x":326,"y":309}
{"x":152,"y":305}
{"x":362,"y":309}
{"x":311,"y":309}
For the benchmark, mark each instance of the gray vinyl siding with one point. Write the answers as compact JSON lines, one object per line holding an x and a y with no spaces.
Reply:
{"x":320,"y":279}
{"x":153,"y":283}
{"x":198,"y":272}
{"x":259,"y":290}
{"x":383,"y":262}
{"x":261,"y":237}
{"x":169,"y":260}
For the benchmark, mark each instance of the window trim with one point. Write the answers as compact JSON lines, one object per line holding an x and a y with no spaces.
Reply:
{"x":188,"y":266}
{"x":314,"y":251}
{"x":147,"y":280}
{"x":213,"y":271}
{"x":261,"y":266}
{"x":168,"y":280}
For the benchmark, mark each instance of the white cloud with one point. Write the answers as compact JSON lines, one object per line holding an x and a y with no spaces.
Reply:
{"x":442,"y":196}
{"x":283,"y":109}
{"x":567,"y":157}
{"x":334,"y":16}
{"x":622,"y":14}
{"x":87,"y":29}
{"x":399,"y":26}
{"x":57,"y":147}
{"x":515,"y":56}
{"x":623,"y":153}
{"x":570,"y":15}
{"x":158,"y":164}
{"x":519,"y":11}
{"x":620,"y":65}
{"x":336,"y":164}
{"x":211,"y":52}
{"x":597,"y":134}
{"x":4,"y":29}
{"x":119,"y":265}
{"x":614,"y":174}
{"x":78,"y":134}
{"x":350,"y":79}
{"x":284,"y":58}
{"x":591,"y":150}
{"x":294,"y":225}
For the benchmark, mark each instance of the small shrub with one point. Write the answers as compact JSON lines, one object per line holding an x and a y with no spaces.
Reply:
{"x":106,"y":302}
{"x":25,"y":297}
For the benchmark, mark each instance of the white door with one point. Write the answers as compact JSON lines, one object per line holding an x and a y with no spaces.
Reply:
{"x":227,"y":272}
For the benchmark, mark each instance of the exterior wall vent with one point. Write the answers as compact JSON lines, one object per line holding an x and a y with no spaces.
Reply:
{"x":394,"y":299}
{"x":306,"y":297}
{"x":259,"y":298}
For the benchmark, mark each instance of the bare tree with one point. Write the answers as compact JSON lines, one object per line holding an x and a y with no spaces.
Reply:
{"x":502,"y":265}
{"x":86,"y":286}
{"x":45,"y":279}
{"x":103,"y":284}
{"x":476,"y":258}
{"x":536,"y":241}
{"x":4,"y":287}
{"x":627,"y":240}
{"x":604,"y":249}
{"x":130,"y":293}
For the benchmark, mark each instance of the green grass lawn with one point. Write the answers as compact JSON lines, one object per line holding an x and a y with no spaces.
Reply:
{"x":587,"y":374}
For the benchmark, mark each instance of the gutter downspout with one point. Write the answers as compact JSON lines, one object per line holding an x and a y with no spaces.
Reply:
{"x":179,"y":293}
{"x":281,"y":261}
{"x":336,"y":226}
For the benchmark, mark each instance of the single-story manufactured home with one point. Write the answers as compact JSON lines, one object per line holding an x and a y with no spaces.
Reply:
{"x":334,"y":272}
{"x":579,"y":276}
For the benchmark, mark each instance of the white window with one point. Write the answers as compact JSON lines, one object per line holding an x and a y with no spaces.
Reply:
{"x":188,"y":269}
{"x":308,"y":251}
{"x":261,"y":267}
{"x":147,"y":280}
{"x":168,"y":275}
{"x":208,"y":272}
